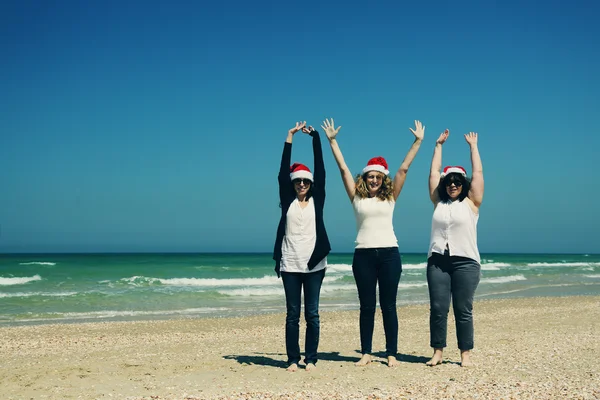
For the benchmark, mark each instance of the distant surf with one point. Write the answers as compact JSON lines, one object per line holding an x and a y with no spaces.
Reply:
{"x":81,"y":287}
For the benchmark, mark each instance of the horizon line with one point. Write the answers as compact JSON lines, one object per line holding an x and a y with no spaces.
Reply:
{"x":248,"y":252}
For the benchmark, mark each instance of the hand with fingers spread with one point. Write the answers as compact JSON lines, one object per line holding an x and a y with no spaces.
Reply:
{"x":329,"y":128}
{"x":443,"y":137}
{"x":471,"y":138}
{"x":299,"y":126}
{"x":373,"y":194}
{"x":419,"y":130}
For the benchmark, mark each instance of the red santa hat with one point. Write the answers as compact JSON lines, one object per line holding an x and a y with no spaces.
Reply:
{"x":298,"y":171}
{"x":376,"y":164}
{"x":454,"y":170}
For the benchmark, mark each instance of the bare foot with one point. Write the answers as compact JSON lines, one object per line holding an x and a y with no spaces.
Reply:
{"x":465,"y":359}
{"x":364,"y":360}
{"x":310,"y":367}
{"x":436,"y":359}
{"x":392,"y":362}
{"x":292,"y":367}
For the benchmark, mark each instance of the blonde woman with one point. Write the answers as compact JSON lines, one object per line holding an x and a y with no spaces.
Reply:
{"x":376,"y":259}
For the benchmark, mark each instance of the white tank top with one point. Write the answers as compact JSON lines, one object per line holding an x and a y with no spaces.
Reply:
{"x":300,"y":239}
{"x":374,"y":223}
{"x":454,"y":224}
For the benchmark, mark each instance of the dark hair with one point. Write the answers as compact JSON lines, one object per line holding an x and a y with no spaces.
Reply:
{"x":308,"y":194}
{"x":455,"y":176}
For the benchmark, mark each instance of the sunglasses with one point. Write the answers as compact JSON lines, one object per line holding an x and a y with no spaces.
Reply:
{"x":303,"y":181}
{"x":456,"y":183}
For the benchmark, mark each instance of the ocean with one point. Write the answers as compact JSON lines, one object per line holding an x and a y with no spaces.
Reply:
{"x":64,"y":288}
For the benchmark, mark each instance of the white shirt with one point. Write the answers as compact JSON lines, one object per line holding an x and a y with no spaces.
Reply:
{"x":454,"y":224}
{"x":374,"y":223}
{"x":300,"y":239}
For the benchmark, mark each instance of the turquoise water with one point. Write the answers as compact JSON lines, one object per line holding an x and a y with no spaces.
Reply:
{"x":45,"y":288}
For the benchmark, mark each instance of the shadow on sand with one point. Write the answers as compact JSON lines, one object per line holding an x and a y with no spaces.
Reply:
{"x":277,"y":359}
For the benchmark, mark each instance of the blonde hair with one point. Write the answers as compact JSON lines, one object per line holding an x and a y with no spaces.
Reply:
{"x":385,"y":193}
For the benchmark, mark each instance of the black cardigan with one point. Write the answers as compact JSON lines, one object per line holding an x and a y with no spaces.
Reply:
{"x":287,"y":195}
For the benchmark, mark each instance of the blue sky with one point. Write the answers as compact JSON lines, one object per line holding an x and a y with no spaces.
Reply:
{"x":158,"y":126}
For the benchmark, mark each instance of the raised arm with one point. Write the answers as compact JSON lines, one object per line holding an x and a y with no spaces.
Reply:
{"x":476,"y":192}
{"x":436,"y":166}
{"x":347,"y":177}
{"x":286,"y":160}
{"x":400,"y":177}
{"x":319,"y":165}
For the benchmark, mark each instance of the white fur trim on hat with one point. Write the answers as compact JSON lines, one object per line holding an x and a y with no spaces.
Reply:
{"x":453,"y":170}
{"x":301,"y":174}
{"x":375,"y":167}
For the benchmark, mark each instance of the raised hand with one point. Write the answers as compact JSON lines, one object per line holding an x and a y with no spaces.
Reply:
{"x":419,"y":130}
{"x":443,"y":137}
{"x":299,"y":126}
{"x":308,"y":130}
{"x":471,"y":138}
{"x":329,"y":128}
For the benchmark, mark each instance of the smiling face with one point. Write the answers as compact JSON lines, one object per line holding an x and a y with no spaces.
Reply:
{"x":374,"y":180}
{"x":301,"y":186}
{"x":454,"y":185}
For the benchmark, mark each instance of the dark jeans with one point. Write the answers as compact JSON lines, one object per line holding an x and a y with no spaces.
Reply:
{"x":370,"y":267}
{"x":457,"y":278}
{"x":292,"y":284}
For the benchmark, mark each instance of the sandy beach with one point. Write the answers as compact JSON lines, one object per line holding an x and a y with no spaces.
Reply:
{"x":534,"y":348}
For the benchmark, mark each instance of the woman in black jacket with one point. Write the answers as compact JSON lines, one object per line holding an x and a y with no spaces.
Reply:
{"x":301,"y":246}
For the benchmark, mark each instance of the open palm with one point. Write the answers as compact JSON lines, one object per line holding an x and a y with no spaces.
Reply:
{"x":471,"y":138}
{"x":329,"y":128}
{"x":419,"y":130}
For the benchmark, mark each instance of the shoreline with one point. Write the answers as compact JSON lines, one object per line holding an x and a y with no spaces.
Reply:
{"x":176,"y":315}
{"x":543,"y":347}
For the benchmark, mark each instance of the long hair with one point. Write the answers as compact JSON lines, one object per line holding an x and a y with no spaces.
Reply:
{"x":308,"y":194}
{"x":385,"y":193}
{"x":443,"y":194}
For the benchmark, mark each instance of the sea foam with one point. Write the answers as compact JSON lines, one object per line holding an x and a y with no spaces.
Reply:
{"x":504,"y":279}
{"x":18,"y":281}
{"x":210,"y":282}
{"x":564,"y":264}
{"x":38,"y":263}
{"x":41,"y":294}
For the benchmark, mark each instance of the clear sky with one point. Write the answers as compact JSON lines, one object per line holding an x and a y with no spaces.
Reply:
{"x":159,"y":125}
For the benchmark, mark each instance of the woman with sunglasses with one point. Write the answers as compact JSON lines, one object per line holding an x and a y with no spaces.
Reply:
{"x":376,"y":258}
{"x":301,"y":246}
{"x":453,"y":268}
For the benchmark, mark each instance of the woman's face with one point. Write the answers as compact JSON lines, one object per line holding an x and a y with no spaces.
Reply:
{"x":374,"y":180}
{"x":301,"y":186}
{"x":453,"y":186}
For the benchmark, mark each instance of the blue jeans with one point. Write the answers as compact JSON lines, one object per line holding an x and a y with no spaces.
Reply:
{"x":370,"y":267}
{"x":292,"y":284}
{"x":456,"y":278}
